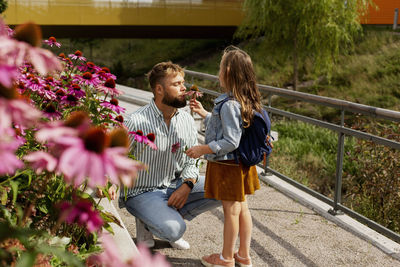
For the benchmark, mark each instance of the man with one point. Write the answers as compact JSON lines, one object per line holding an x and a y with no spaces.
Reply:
{"x":171,"y":189}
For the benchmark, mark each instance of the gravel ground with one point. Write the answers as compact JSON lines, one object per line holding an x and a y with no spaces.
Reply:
{"x":285,"y":233}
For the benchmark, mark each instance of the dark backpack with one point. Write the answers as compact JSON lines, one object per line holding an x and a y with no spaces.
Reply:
{"x":255,"y":142}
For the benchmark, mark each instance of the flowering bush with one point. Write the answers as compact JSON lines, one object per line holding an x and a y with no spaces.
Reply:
{"x":61,"y":132}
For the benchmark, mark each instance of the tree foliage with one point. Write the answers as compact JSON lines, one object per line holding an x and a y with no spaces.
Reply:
{"x":305,"y":29}
{"x":3,"y":6}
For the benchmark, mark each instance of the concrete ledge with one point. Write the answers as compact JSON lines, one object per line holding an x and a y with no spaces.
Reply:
{"x":346,"y":222}
{"x":122,"y":238}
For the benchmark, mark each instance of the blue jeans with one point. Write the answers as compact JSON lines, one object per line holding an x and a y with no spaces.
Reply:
{"x":164,"y":221}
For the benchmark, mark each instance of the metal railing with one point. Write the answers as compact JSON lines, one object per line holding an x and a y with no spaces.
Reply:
{"x":342,"y":131}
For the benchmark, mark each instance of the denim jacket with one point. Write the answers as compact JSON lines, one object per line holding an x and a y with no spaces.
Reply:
{"x":223,"y":128}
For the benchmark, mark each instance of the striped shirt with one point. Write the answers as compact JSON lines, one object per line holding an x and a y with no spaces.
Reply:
{"x":163,"y":164}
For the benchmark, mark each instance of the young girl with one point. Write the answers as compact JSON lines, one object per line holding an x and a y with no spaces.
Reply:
{"x":227,"y":180}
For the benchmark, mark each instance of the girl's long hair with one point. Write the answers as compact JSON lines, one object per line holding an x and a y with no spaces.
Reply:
{"x":238,"y":76}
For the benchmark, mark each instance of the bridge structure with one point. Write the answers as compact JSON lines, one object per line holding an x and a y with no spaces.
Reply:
{"x":129,"y":18}
{"x":147,"y":18}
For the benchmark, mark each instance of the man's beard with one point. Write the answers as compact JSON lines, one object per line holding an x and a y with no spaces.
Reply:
{"x":173,"y":102}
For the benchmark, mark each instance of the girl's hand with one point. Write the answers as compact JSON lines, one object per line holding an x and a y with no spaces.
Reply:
{"x":198,"y":151}
{"x":197,"y":107}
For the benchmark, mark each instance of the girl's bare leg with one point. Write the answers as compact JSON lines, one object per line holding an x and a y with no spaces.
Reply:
{"x":245,"y":229}
{"x":232,"y":210}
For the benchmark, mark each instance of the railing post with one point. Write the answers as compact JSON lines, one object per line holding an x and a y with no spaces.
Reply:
{"x":396,"y":17}
{"x":266,"y":163}
{"x":339,"y":171}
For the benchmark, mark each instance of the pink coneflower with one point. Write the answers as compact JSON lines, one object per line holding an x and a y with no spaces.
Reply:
{"x":51,"y":81}
{"x":35,"y":84}
{"x":113,"y":105}
{"x":138,"y":136}
{"x":105,"y":74}
{"x":23,"y":48}
{"x":87,"y":79}
{"x":51,"y":112}
{"x":96,"y":161}
{"x":69,"y":100}
{"x":82,"y":213}
{"x":175,"y":147}
{"x":47,"y":92}
{"x":76,"y":90}
{"x":41,"y":160}
{"x":111,"y":256}
{"x":60,"y":93}
{"x":8,"y":160}
{"x":52,"y":41}
{"x":7,"y":74}
{"x":119,"y":119}
{"x":151,"y":137}
{"x":109,"y":88}
{"x":89,"y":66}
{"x":77,"y":56}
{"x":18,"y":112}
{"x":193,"y":92}
{"x":43,"y":60}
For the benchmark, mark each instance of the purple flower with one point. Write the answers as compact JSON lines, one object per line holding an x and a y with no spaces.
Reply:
{"x":7,"y":74}
{"x":151,"y":137}
{"x":77,"y":56}
{"x":18,"y":112}
{"x":175,"y":147}
{"x":113,"y":105}
{"x":52,"y":41}
{"x":109,"y":88}
{"x":90,"y":157}
{"x":41,"y":160}
{"x":87,"y":79}
{"x":8,"y":160}
{"x":83,"y":213}
{"x":76,"y":90}
{"x":111,"y":256}
{"x":138,"y":136}
{"x":70,"y":100}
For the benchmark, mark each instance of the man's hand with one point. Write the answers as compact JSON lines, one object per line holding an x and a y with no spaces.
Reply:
{"x":112,"y":191}
{"x":179,"y":197}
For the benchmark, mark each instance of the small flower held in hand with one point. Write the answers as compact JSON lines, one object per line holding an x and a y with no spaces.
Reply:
{"x":175,"y":147}
{"x":194,"y":92}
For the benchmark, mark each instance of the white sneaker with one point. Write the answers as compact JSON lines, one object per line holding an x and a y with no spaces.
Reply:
{"x":180,"y":244}
{"x":143,"y":235}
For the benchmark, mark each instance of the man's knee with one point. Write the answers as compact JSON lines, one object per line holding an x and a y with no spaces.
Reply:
{"x":173,"y":229}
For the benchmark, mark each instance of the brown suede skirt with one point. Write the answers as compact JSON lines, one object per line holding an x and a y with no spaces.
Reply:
{"x":227,"y":180}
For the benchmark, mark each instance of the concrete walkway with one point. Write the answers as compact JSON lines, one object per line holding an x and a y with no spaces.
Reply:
{"x":286,"y":232}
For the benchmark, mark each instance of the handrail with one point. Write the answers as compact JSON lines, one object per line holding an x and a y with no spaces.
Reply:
{"x":316,"y":99}
{"x":342,"y":131}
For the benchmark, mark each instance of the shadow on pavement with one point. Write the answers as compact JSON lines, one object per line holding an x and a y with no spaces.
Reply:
{"x":262,"y":252}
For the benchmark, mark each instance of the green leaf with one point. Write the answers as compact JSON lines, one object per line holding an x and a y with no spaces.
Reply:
{"x":108,"y":227}
{"x":42,"y":208}
{"x":4,"y":196}
{"x":14,"y":188}
{"x":67,"y":257}
{"x":27,"y":259}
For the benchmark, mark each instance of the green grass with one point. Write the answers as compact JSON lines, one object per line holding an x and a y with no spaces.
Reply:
{"x":308,"y":154}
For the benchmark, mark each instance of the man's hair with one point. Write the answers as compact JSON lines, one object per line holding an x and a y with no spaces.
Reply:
{"x":157,"y":74}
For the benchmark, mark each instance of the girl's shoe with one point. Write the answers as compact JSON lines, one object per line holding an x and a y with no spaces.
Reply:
{"x":242,"y":262}
{"x":214,"y":260}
